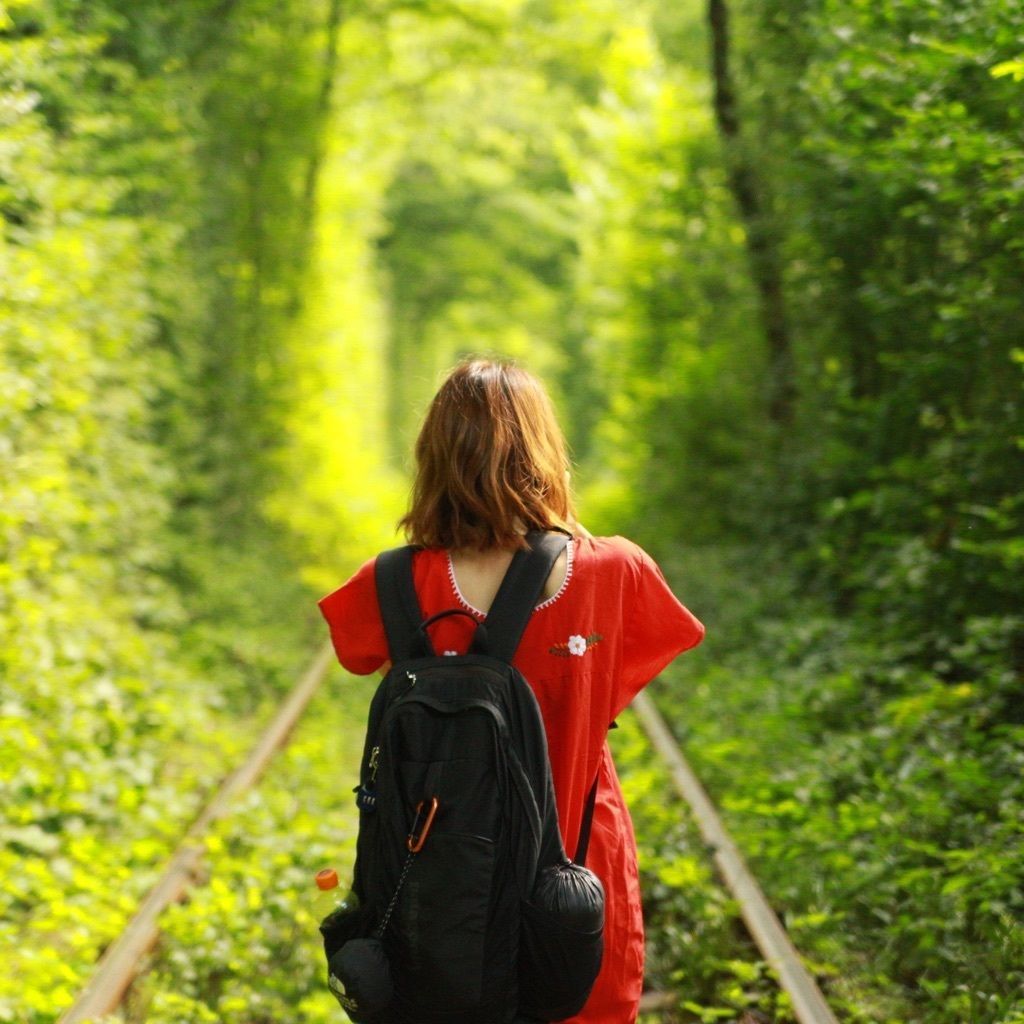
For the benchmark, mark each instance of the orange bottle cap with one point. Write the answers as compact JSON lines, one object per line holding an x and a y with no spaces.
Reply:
{"x":327,"y":879}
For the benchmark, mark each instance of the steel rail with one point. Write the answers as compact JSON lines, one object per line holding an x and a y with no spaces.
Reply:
{"x":118,"y":965}
{"x":809,"y":1004}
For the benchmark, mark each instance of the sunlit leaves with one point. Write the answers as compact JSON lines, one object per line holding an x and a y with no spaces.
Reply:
{"x":208,"y":395}
{"x":113,"y":702}
{"x":1014,"y":68}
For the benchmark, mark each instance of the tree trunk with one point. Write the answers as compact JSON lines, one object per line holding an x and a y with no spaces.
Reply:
{"x":323,"y":109}
{"x":749,"y":193}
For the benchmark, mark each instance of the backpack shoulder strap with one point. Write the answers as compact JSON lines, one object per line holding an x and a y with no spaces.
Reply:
{"x":583,"y":843}
{"x":396,"y":597}
{"x":520,"y":588}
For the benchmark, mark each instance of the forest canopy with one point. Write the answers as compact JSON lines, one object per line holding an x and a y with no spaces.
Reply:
{"x":768,"y":259}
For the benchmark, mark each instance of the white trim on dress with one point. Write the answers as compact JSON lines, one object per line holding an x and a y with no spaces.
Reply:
{"x":544,"y":604}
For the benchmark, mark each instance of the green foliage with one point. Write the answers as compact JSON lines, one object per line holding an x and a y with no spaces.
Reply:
{"x":880,"y":799}
{"x":668,"y":308}
{"x":144,"y":622}
{"x":481,"y":221}
{"x":1009,"y":67}
{"x":910,"y":298}
{"x":696,"y":943}
{"x":879,"y":806}
{"x":223,"y":308}
{"x":244,"y":945}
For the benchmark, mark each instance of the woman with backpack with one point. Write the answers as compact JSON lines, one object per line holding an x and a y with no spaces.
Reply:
{"x":491,"y":464}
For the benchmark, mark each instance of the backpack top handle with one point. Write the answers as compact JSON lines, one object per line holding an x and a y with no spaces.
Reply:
{"x":423,"y":648}
{"x":510,"y":611}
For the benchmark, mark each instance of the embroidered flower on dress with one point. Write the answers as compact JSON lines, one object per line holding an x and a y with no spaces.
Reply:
{"x":577,"y":646}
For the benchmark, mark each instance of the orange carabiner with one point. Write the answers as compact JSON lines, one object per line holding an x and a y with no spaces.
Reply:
{"x":414,"y":842}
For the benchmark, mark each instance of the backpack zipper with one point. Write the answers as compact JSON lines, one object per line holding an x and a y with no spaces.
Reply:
{"x":375,"y":752}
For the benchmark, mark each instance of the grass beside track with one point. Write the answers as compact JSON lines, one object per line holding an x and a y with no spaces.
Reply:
{"x":243,"y":947}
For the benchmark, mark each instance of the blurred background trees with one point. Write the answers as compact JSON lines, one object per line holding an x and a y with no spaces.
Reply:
{"x":769,"y":260}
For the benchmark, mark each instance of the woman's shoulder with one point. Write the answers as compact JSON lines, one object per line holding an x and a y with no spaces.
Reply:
{"x":613,"y":555}
{"x":361,"y":586}
{"x":606,"y":560}
{"x":360,"y":589}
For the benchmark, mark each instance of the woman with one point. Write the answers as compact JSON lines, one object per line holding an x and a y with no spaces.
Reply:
{"x":491,"y":464}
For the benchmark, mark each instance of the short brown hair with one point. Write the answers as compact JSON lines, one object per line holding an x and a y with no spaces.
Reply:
{"x":490,"y":457}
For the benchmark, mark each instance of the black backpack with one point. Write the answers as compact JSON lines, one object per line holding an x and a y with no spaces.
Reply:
{"x":469,"y":910}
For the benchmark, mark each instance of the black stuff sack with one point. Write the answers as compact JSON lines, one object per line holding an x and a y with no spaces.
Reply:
{"x":360,"y":977}
{"x":561,"y":942}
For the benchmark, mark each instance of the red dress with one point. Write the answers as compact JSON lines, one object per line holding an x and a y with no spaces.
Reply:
{"x":611,"y":628}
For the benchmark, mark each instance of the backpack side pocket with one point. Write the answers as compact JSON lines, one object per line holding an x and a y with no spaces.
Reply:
{"x":561,"y":943}
{"x":343,"y":924}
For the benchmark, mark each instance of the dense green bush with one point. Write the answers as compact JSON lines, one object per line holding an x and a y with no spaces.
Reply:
{"x":212,"y":289}
{"x":880,"y":806}
{"x":136,"y":645}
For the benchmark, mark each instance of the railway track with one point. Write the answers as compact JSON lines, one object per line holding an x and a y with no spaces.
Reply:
{"x":118,"y":966}
{"x":119,"y":963}
{"x":809,"y":1005}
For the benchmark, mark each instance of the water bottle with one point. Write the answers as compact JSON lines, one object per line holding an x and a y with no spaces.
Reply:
{"x":329,"y":906}
{"x":329,"y":898}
